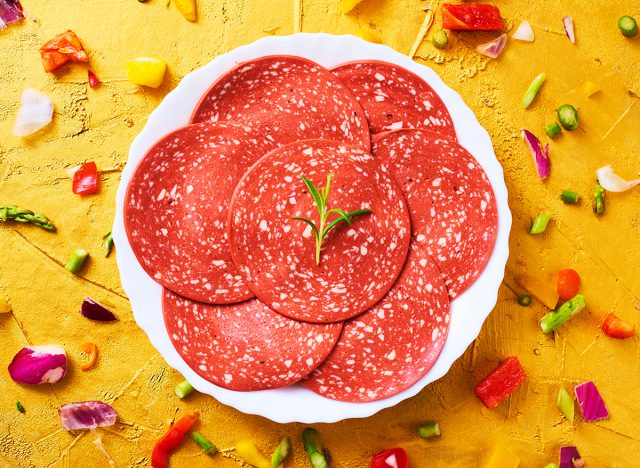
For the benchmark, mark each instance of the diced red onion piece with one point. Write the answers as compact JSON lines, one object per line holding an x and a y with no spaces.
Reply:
{"x":86,"y":415}
{"x":612,"y":182}
{"x":590,"y":402}
{"x":10,"y":12}
{"x":568,"y":455}
{"x":39,"y":364}
{"x":568,"y":28}
{"x":96,"y":311}
{"x":524,"y":32}
{"x":493,"y":48}
{"x":543,"y":163}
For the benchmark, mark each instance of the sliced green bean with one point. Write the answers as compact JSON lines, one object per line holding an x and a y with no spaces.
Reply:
{"x":77,"y":260}
{"x":569,"y":197}
{"x":539,"y":225}
{"x":552,"y":129}
{"x":628,"y":26}
{"x":532,"y":90}
{"x":568,"y":117}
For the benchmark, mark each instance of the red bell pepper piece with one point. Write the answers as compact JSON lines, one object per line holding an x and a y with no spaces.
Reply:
{"x":61,"y":49}
{"x":85,"y":179}
{"x":392,"y":458}
{"x":94,"y":81}
{"x":500,"y":383}
{"x":471,"y":17}
{"x":170,"y":441}
{"x":616,"y":328}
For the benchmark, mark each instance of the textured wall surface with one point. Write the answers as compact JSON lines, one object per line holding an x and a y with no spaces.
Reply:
{"x":99,"y":125}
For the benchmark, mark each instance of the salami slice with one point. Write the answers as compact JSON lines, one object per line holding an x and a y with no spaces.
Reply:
{"x":286,"y":99}
{"x":176,"y":209}
{"x":245,"y":346}
{"x":393,"y":97}
{"x":392,"y":345}
{"x":276,"y":253}
{"x":451,"y":202}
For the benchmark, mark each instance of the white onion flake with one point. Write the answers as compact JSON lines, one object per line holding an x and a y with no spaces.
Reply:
{"x":35,"y":113}
{"x":86,"y":415}
{"x":36,"y":365}
{"x":524,"y":32}
{"x":612,"y":182}
{"x":493,"y":48}
{"x":567,"y":21}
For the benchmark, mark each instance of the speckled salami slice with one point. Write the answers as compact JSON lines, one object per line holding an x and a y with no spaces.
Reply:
{"x":276,"y":254}
{"x":393,"y":97}
{"x":451,"y":202}
{"x":392,"y":345}
{"x":286,"y":99}
{"x":176,"y":209}
{"x":245,"y":346}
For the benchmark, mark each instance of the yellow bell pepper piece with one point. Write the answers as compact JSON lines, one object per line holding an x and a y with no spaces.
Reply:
{"x":503,"y":458}
{"x":545,"y":291}
{"x":146,"y":71}
{"x":187,"y":8}
{"x":590,"y":88}
{"x":249,"y":454}
{"x":369,"y":35}
{"x":348,"y":5}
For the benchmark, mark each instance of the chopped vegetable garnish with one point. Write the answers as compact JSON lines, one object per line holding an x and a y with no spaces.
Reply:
{"x":524,"y":300}
{"x":313,"y":446}
{"x":91,"y":350}
{"x":590,"y":402}
{"x":77,"y":260}
{"x":532,"y":90}
{"x":61,"y":49}
{"x":10,"y":12}
{"x":503,"y":458}
{"x":568,"y":117}
{"x":440,"y":39}
{"x":524,"y":32}
{"x":612,"y":182}
{"x":205,"y":444}
{"x":392,"y":458}
{"x":146,"y":71}
{"x":569,"y":456}
{"x":589,"y":88}
{"x":552,"y":465}
{"x":570,"y":197}
{"x":36,"y":365}
{"x":184,"y":389}
{"x":25,"y":216}
{"x":555,"y":318}
{"x":427,"y":431}
{"x":5,"y":307}
{"x":187,"y":8}
{"x":171,"y":440}
{"x":20,"y":407}
{"x":615,"y":328}
{"x":35,"y":113}
{"x":281,"y":453}
{"x":86,"y":415}
{"x":500,"y":383}
{"x":471,"y":17}
{"x":93,"y":310}
{"x":493,"y":48}
{"x":568,"y":283}
{"x":369,"y":35}
{"x":543,"y":163}
{"x":598,"y":199}
{"x":348,"y":5}
{"x":94,"y":81}
{"x":628,"y":26}
{"x":552,"y":129}
{"x":108,"y":243}
{"x":565,"y":404}
{"x":539,"y":225}
{"x":85,"y":179}
{"x":250,"y":454}
{"x":567,"y":21}
{"x":545,"y":291}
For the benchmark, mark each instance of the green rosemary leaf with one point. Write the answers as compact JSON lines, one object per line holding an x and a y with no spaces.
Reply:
{"x":315,"y":193}
{"x":343,"y":215}
{"x":313,"y":227}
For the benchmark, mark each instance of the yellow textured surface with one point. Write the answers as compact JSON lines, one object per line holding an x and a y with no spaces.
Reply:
{"x":99,"y":125}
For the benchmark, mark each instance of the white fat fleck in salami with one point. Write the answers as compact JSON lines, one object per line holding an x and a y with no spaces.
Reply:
{"x":392,"y":345}
{"x":451,"y":202}
{"x":245,"y":346}
{"x":276,"y":254}
{"x":176,"y":209}
{"x":392,"y":98}
{"x":287,"y":99}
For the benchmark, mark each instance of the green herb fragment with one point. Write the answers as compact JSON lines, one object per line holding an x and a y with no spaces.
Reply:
{"x":22,"y":215}
{"x":20,"y":407}
{"x":440,"y":39}
{"x":552,"y":129}
{"x":539,"y":224}
{"x":77,"y":260}
{"x":313,"y":446}
{"x":281,"y":453}
{"x":429,"y":430}
{"x":568,"y":117}
{"x":205,"y":444}
{"x":108,"y":243}
{"x":569,"y":197}
{"x":321,"y":197}
{"x":554,"y":319}
{"x":565,"y":404}
{"x":532,"y":90}
{"x":598,"y":199}
{"x":184,"y":389}
{"x":524,"y":300}
{"x":628,"y":26}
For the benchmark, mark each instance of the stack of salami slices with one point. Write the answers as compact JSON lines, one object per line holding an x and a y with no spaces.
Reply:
{"x":211,"y":210}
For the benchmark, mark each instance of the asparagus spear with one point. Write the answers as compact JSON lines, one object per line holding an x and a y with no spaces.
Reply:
{"x":282,"y":451}
{"x":25,"y":216}
{"x":555,"y":318}
{"x":313,"y":447}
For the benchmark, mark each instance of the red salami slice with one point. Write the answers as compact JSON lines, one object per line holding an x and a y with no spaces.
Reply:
{"x":393,"y":97}
{"x":177,"y":204}
{"x":392,"y":345}
{"x":245,"y":346}
{"x":286,"y":99}
{"x":276,"y":254}
{"x":451,"y":202}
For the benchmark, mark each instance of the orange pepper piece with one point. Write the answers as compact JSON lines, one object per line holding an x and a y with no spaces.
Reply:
{"x":92,"y":355}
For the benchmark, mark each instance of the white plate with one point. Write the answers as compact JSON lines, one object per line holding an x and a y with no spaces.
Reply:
{"x":296,"y":403}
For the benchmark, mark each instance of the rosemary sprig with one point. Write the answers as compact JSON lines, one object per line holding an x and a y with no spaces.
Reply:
{"x":321,"y":198}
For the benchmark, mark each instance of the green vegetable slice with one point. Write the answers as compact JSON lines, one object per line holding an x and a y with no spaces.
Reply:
{"x":281,"y":453}
{"x":539,"y":225}
{"x":555,"y":318}
{"x":205,"y":444}
{"x":184,"y":389}
{"x":440,"y":39}
{"x":77,"y":260}
{"x":427,"y":431}
{"x":628,"y":26}
{"x":565,"y":404}
{"x":524,"y":300}
{"x":532,"y":90}
{"x":568,"y":117}
{"x":313,"y":446}
{"x":569,"y":197}
{"x":552,"y":129}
